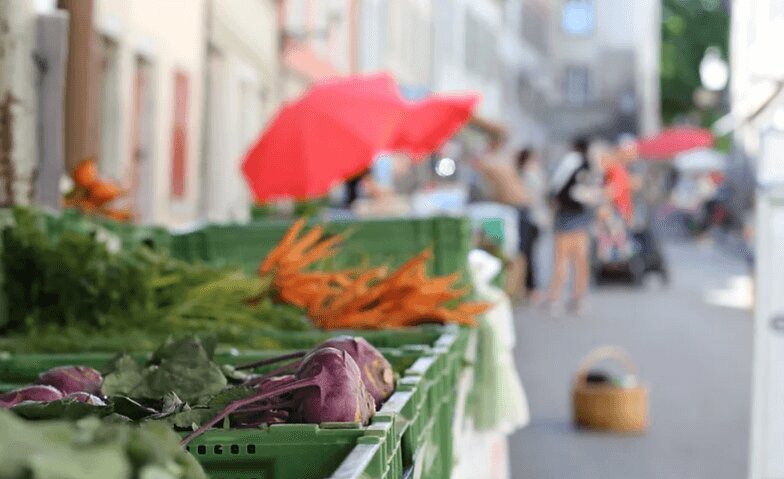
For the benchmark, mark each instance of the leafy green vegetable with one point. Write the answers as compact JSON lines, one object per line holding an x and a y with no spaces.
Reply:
{"x":73,"y":290}
{"x":182,"y":367}
{"x":91,"y":449}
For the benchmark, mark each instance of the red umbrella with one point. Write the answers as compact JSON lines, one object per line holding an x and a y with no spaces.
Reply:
{"x":431,"y":122}
{"x":331,"y":133}
{"x":675,"y":140}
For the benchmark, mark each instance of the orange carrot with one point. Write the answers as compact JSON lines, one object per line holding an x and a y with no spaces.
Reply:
{"x":283,"y":246}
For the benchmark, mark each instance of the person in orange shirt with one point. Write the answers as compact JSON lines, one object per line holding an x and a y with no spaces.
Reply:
{"x":618,"y":185}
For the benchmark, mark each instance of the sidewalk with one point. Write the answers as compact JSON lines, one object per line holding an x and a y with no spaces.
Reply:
{"x":695,"y":356}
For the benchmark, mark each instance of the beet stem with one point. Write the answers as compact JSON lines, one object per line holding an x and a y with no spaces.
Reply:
{"x":265,"y":362}
{"x":299,"y":384}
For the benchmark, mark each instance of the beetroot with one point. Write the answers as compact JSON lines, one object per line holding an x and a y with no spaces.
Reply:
{"x":72,"y":379}
{"x":86,"y":398}
{"x":376,"y":371}
{"x":327,"y":387}
{"x":30,"y":393}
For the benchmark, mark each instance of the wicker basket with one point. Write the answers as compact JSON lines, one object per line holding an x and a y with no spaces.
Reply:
{"x":606,"y":407}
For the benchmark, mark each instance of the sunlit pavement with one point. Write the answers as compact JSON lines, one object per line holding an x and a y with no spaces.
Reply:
{"x":692,"y":343}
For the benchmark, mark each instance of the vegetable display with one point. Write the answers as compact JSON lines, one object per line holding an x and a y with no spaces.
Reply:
{"x":91,"y":194}
{"x":73,"y":291}
{"x":370,"y":299}
{"x":91,"y":449}
{"x":182,"y":386}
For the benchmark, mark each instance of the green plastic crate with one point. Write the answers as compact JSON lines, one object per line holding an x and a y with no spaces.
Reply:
{"x":371,"y":242}
{"x":417,"y":441}
{"x":375,"y":452}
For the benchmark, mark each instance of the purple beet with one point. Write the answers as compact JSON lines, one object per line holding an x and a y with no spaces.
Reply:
{"x":341,"y":395}
{"x":41,"y":393}
{"x":86,"y":398}
{"x":72,"y":379}
{"x":265,"y":382}
{"x":376,"y":371}
{"x":327,"y":387}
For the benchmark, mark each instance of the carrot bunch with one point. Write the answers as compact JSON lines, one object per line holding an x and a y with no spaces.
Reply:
{"x":369,"y":299}
{"x":91,"y":194}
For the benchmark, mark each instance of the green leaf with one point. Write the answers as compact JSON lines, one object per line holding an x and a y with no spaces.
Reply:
{"x":91,"y":449}
{"x":125,"y":376}
{"x":187,"y":418}
{"x":130,"y":409}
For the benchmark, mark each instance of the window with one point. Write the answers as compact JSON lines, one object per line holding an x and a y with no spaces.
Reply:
{"x":578,"y":17}
{"x":179,"y":135}
{"x":109,"y":110}
{"x":142,"y":128}
{"x":577,"y":85}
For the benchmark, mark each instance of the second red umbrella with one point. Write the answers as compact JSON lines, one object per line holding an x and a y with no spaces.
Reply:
{"x":674,"y":140}
{"x":431,"y":122}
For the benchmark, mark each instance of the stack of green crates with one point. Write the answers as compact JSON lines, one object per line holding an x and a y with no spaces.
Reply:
{"x":409,"y":437}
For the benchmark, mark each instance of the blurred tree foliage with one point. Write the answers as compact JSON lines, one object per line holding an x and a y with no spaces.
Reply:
{"x":689,"y":27}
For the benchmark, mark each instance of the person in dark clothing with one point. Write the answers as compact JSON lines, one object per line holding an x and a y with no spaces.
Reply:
{"x":352,"y":187}
{"x":573,"y":190}
{"x":529,"y":219}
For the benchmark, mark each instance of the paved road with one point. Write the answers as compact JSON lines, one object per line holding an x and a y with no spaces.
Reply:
{"x":694,"y":354}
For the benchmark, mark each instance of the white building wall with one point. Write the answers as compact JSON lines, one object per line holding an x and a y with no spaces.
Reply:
{"x":170,"y":34}
{"x":396,"y":36}
{"x":241,"y":76}
{"x":451,"y":57}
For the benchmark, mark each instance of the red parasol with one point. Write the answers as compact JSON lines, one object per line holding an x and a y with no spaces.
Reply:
{"x":431,"y":122}
{"x":675,"y":140}
{"x":336,"y":129}
{"x":330,"y":134}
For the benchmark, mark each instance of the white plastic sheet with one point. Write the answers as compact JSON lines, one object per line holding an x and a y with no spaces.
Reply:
{"x":498,"y":402}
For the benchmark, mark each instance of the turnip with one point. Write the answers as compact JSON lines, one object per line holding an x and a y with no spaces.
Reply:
{"x":341,"y":395}
{"x":72,"y":379}
{"x":327,"y":387}
{"x":41,"y":393}
{"x":86,"y":398}
{"x":376,"y":371}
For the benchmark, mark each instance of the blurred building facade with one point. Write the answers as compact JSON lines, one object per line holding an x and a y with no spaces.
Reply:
{"x":605,"y":56}
{"x":396,"y":36}
{"x":242,"y":93}
{"x":318,"y":40}
{"x":757,"y":78}
{"x":756,"y":122}
{"x":169,"y":94}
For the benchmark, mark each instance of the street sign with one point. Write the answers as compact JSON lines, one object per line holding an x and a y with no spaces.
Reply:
{"x":767,"y":428}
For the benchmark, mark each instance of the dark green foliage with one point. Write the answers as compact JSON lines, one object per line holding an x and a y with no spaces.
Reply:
{"x":689,"y":27}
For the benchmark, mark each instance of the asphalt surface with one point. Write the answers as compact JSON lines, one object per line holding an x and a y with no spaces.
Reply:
{"x":692,"y":344}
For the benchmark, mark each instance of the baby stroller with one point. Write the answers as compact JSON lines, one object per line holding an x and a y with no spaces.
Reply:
{"x":619,"y":253}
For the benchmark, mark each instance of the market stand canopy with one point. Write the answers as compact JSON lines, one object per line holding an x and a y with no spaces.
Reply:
{"x":335,"y":130}
{"x":673,"y":141}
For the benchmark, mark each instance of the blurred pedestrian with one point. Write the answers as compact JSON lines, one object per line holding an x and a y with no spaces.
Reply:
{"x":574,"y":189}
{"x":497,"y":168}
{"x":533,"y":217}
{"x":618,"y":182}
{"x":353,"y":187}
